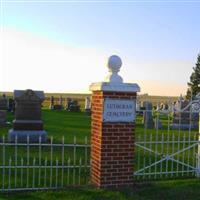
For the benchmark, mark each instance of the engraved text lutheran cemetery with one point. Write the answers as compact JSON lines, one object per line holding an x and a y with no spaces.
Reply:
{"x":116,"y":110}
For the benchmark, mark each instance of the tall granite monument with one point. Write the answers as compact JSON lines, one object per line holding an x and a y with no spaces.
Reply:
{"x":27,"y":120}
{"x":147,"y":115}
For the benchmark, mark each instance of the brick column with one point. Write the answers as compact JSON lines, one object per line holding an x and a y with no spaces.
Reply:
{"x":112,"y":142}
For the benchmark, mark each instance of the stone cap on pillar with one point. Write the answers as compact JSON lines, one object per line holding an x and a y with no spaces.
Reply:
{"x":114,"y":82}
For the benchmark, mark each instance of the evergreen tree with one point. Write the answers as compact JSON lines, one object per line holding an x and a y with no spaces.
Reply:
{"x":194,"y":84}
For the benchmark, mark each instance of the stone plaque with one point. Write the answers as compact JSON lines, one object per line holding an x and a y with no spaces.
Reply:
{"x":116,"y":110}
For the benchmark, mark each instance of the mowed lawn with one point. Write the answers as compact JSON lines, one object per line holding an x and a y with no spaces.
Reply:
{"x":160,"y":190}
{"x":62,"y":123}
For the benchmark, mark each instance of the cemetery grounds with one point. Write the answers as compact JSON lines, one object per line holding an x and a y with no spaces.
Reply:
{"x":74,"y":128}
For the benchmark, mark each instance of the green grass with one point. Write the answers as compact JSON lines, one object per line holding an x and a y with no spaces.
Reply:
{"x":62,"y":123}
{"x":68,"y":124}
{"x":162,"y":190}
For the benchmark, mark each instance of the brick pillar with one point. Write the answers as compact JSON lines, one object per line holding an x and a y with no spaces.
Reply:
{"x":112,"y":140}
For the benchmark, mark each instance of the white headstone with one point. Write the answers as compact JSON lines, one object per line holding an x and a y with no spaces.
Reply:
{"x":87,"y":103}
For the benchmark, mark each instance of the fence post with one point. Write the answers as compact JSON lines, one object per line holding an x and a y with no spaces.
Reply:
{"x":113,"y":127}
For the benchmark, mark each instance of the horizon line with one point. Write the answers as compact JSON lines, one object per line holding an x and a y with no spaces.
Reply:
{"x":89,"y":93}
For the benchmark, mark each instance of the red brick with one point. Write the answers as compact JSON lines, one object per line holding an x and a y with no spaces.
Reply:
{"x":112,"y":145}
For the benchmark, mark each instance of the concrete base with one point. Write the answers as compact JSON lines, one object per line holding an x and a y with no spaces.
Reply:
{"x":29,"y":125}
{"x":22,"y":135}
{"x":57,"y":107}
{"x":184,"y":126}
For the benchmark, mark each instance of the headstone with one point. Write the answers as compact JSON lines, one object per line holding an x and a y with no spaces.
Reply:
{"x":57,"y":106}
{"x":11,"y":105}
{"x":147,"y":115}
{"x":165,"y":106}
{"x":28,"y":122}
{"x":196,"y":109}
{"x":3,"y":102}
{"x":87,"y":105}
{"x":157,"y":124}
{"x":142,"y":110}
{"x":73,"y":106}
{"x":137,"y":106}
{"x":2,"y":117}
{"x":68,"y":102}
{"x":61,"y":102}
{"x":51,"y":103}
{"x":181,"y":116}
{"x":158,"y":107}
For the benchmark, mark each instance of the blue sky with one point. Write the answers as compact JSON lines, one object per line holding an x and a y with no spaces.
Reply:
{"x":157,"y":41}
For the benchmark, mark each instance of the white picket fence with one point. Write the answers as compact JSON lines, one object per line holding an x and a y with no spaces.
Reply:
{"x":36,"y":166}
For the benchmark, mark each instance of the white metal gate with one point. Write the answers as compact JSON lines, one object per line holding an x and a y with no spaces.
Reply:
{"x":167,"y":151}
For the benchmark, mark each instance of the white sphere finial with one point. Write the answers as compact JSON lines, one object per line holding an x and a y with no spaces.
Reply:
{"x":114,"y":64}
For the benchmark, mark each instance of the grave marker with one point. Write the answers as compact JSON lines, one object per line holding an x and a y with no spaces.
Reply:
{"x":88,"y":105}
{"x":3,"y":102}
{"x":28,"y":120}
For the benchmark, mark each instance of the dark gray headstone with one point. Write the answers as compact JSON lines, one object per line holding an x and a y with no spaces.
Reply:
{"x":61,"y":101}
{"x":51,"y":102}
{"x":157,"y":124}
{"x":68,"y":103}
{"x":73,"y":106}
{"x":59,"y":105}
{"x":3,"y":102}
{"x":28,"y":120}
{"x":147,"y":115}
{"x":2,"y":117}
{"x":11,"y":105}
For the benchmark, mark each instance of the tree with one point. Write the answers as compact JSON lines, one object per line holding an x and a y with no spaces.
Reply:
{"x":194,"y":84}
